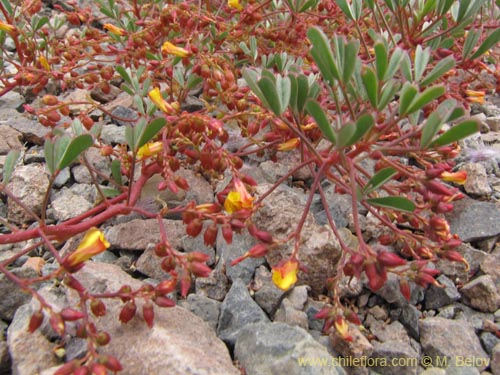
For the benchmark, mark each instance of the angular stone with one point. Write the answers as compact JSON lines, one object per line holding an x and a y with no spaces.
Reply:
{"x":10,"y":139}
{"x":495,"y":360}
{"x":481,"y":294}
{"x":410,"y":317}
{"x":451,"y":338}
{"x":214,"y":287}
{"x":436,"y":297}
{"x":237,"y":310}
{"x":477,"y":180}
{"x":11,"y":295}
{"x":287,"y":313}
{"x":457,"y":271}
{"x":474,"y":220}
{"x":113,"y":134}
{"x":68,"y":205}
{"x":387,"y":332}
{"x":395,"y":358}
{"x":29,"y":184}
{"x":277,"y":348}
{"x":267,"y":295}
{"x":319,"y":249}
{"x":137,"y":234}
{"x":491,"y":266}
{"x":203,"y":307}
{"x":100,"y":163}
{"x":32,"y":131}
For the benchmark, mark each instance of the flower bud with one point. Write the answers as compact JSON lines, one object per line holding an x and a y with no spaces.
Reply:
{"x":110,"y":362}
{"x":168,"y":264}
{"x":128,"y":311}
{"x":194,"y":228}
{"x":36,"y":321}
{"x":342,"y":327}
{"x":389,"y":259}
{"x":68,"y":368}
{"x":57,"y":324}
{"x":164,"y":301}
{"x":404,"y":287}
{"x":185,"y":284}
{"x":227,"y":233}
{"x":455,"y":256}
{"x":81,"y":371}
{"x":200,"y":269}
{"x":70,"y":315}
{"x":50,"y":100}
{"x":102,"y":338}
{"x":352,"y":317}
{"x":148,"y":313}
{"x":165,"y":287}
{"x":196,"y":256}
{"x":161,"y":250}
{"x":210,"y":235}
{"x":377,"y":275}
{"x":98,"y":369}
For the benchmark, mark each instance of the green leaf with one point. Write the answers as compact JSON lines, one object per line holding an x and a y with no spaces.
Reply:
{"x":346,"y":8}
{"x":435,"y":120}
{"x":408,"y":94}
{"x":394,"y":63}
{"x":426,"y":97}
{"x":303,"y":92}
{"x":388,"y":93}
{"x":293,"y":94}
{"x":268,"y":88}
{"x":151,"y":130}
{"x":363,"y":125}
{"x":74,"y":149}
{"x":9,"y":164}
{"x":396,"y":203}
{"x":379,"y":179}
{"x":470,"y":42}
{"x":283,"y":89}
{"x":422,"y":57}
{"x":40,"y":23}
{"x":381,"y":60}
{"x":459,"y":131}
{"x":116,"y":171}
{"x":491,"y":40}
{"x":129,"y":137}
{"x":345,"y":135}
{"x":349,"y":60}
{"x":250,"y":77}
{"x":323,"y":55}
{"x":49,"y":152}
{"x":110,"y":192}
{"x":7,"y":6}
{"x":406,"y":67}
{"x":370,"y":82}
{"x":124,"y":74}
{"x":193,"y":81}
{"x":441,"y":68}
{"x":315,"y":110}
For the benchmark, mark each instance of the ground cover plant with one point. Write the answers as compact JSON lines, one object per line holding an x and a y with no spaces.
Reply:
{"x":336,"y":82}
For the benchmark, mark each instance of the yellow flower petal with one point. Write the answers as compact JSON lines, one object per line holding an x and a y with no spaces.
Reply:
{"x":157,"y":99}
{"x":92,"y":244}
{"x":149,"y":149}
{"x":457,"y":177}
{"x":289,"y":145}
{"x":114,"y":29}
{"x":234,"y":4}
{"x":6,"y":27}
{"x":285,"y":274}
{"x":171,"y":49}
{"x":44,"y":63}
{"x":232,"y":202}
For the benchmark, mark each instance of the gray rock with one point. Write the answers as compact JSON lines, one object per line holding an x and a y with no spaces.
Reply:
{"x":489,"y":341}
{"x":410,"y":317}
{"x":449,"y":338}
{"x":319,"y":250}
{"x":62,"y":178}
{"x":34,"y":154}
{"x":100,"y":163}
{"x":11,"y":99}
{"x":472,"y":316}
{"x":267,"y":295}
{"x":495,"y":360}
{"x":358,"y":347}
{"x":32,"y":131}
{"x":10,"y":139}
{"x":378,"y":313}
{"x":199,"y":190}
{"x":436,"y":297}
{"x":137,"y":234}
{"x":149,"y":263}
{"x":214,"y":287}
{"x":237,"y":310}
{"x":491,"y":266}
{"x":287,"y":313}
{"x":29,"y":184}
{"x":120,"y":114}
{"x":481,"y":294}
{"x":391,"y":292}
{"x":477,"y":180}
{"x":493,"y":123}
{"x":387,"y":332}
{"x":457,"y":271}
{"x":311,"y":309}
{"x":206,"y":308}
{"x":228,"y":252}
{"x":474,"y":220}
{"x":276,"y":348}
{"x":113,"y":134}
{"x":11,"y":295}
{"x":395,"y":358}
{"x":68,"y":205}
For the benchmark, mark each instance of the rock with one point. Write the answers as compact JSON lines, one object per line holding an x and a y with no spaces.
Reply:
{"x":179,"y":341}
{"x":68,"y":205}
{"x":29,"y":184}
{"x":477,"y":180}
{"x":98,"y":95}
{"x":97,"y":161}
{"x":395,"y":358}
{"x":474,"y":220}
{"x":456,"y":271}
{"x":287,"y":313}
{"x":10,"y":139}
{"x":229,"y":252}
{"x":391,"y":292}
{"x":35,"y":154}
{"x":311,"y":309}
{"x":267,"y":295}
{"x":495,"y":360}
{"x":319,"y":249}
{"x":436,"y":297}
{"x":488,"y":341}
{"x":30,"y":352}
{"x":11,"y":99}
{"x":123,"y":115}
{"x":493,"y":123}
{"x":450,"y":338}
{"x":206,"y":308}
{"x":62,"y":178}
{"x":473,"y":317}
{"x":358,"y":348}
{"x":276,"y":348}
{"x":214,"y":287}
{"x":298,"y":296}
{"x":481,"y":294}
{"x":387,"y":332}
{"x":237,"y":310}
{"x":32,"y":131}
{"x":137,"y":234}
{"x":491,"y":266}
{"x":149,"y":264}
{"x":113,"y":134}
{"x":378,"y":312}
{"x":339,"y":207}
{"x":410,"y":316}
{"x":199,"y":190}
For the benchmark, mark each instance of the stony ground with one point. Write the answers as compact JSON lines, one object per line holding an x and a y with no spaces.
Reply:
{"x":236,"y":318}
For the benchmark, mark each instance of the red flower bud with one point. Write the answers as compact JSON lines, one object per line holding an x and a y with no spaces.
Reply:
{"x":67,"y":369}
{"x":128,"y":311}
{"x":227,"y":233}
{"x":377,"y":275}
{"x":443,"y":207}
{"x":194,"y":228}
{"x":386,"y":239}
{"x":165,"y":287}
{"x":324,"y":313}
{"x":423,"y":279}
{"x":36,"y":321}
{"x":424,"y":252}
{"x":196,"y":256}
{"x":210,"y":235}
{"x":185,"y":284}
{"x":57,"y":324}
{"x":81,"y":371}
{"x":200,"y":269}
{"x":164,"y":301}
{"x":111,"y":363}
{"x":148,"y":313}
{"x":161,"y":250}
{"x":70,"y":315}
{"x":388,"y":259}
{"x":168,"y":264}
{"x":404,"y":287}
{"x":352,"y":317}
{"x":98,"y":369}
{"x":438,"y":188}
{"x":102,"y":338}
{"x":455,"y":256}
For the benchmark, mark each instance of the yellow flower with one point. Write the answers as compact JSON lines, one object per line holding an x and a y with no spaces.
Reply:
{"x":475,"y":96}
{"x":171,"y":49}
{"x":342,"y":328}
{"x":235,"y":4}
{"x":457,"y":177}
{"x":289,"y":145}
{"x":6,"y":27}
{"x":44,"y":63}
{"x":114,"y":29}
{"x":285,"y":274}
{"x":161,"y":103}
{"x":149,"y":149}
{"x":92,"y":244}
{"x":239,"y":198}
